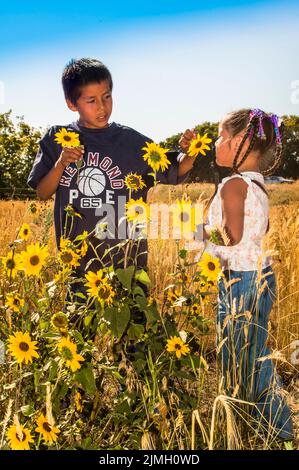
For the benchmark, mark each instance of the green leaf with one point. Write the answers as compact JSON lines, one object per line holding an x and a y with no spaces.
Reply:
{"x":183,"y":253}
{"x":135,"y":331}
{"x":125,"y":276}
{"x":138,"y":291}
{"x":118,"y":319}
{"x":183,"y":375}
{"x":80,"y":295}
{"x":139,"y":365}
{"x":142,"y":277}
{"x":53,"y":371}
{"x":141,"y":302}
{"x":27,"y":410}
{"x":152,"y":314}
{"x":78,"y":337}
{"x":86,"y":378}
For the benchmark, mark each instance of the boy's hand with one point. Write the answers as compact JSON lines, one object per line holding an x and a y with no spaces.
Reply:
{"x":70,"y":155}
{"x":186,"y":139}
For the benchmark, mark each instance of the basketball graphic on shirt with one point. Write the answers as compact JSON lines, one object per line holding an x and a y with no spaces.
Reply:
{"x":91,"y":182}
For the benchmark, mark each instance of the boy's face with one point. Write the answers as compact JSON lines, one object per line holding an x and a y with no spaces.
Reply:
{"x":94,"y":105}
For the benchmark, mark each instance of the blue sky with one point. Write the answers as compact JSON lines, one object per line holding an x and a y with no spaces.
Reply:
{"x":174,"y":63}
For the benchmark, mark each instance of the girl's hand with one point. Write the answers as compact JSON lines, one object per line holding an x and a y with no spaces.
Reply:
{"x":70,"y":155}
{"x":186,"y":139}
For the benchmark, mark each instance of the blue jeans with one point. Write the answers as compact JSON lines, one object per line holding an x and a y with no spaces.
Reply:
{"x":242,"y":331}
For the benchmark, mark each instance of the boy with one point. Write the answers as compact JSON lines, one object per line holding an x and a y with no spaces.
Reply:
{"x":111,"y":151}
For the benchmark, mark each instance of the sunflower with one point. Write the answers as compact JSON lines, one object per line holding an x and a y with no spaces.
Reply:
{"x":172,"y":296}
{"x":195,"y":308}
{"x":19,"y":437}
{"x":25,"y":232}
{"x":15,"y":302}
{"x":177,"y":345}
{"x":199,"y":145}
{"x":21,"y":347}
{"x":93,"y":281}
{"x":67,"y":138}
{"x":33,"y":259}
{"x":184,"y":278}
{"x":105,"y":293}
{"x":69,"y":257}
{"x":134,"y":182}
{"x":210,"y":267}
{"x":65,"y":243}
{"x":60,"y":321}
{"x":47,"y":430}
{"x":32,"y":207}
{"x":156,"y":157}
{"x":212,"y":286}
{"x":12,"y":263}
{"x":184,"y":215}
{"x":137,"y":210}
{"x":68,"y":351}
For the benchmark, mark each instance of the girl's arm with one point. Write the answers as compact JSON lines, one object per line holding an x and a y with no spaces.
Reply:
{"x":233,"y":195}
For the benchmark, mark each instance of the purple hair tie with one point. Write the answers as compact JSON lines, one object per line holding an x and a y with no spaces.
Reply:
{"x":261,"y":133}
{"x":260,"y":114}
{"x":274,"y":120}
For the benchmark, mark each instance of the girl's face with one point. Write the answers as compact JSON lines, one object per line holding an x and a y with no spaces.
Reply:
{"x":227,"y":146}
{"x":224,"y":149}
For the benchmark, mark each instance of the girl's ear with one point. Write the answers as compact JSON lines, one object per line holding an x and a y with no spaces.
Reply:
{"x":236,"y":141}
{"x":71,"y":105}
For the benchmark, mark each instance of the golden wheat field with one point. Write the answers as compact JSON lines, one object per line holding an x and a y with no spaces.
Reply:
{"x":171,"y":422}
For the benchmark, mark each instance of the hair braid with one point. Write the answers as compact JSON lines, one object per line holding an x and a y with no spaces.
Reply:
{"x":253,"y":126}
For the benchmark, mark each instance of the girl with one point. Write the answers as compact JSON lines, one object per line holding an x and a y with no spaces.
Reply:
{"x":249,"y":144}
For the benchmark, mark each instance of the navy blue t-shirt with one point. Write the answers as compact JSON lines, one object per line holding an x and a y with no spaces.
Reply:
{"x":99,"y":194}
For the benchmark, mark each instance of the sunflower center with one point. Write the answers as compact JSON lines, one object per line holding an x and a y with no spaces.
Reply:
{"x":211,"y":266}
{"x":25,"y":231}
{"x":134,"y":181}
{"x":103,"y":292}
{"x":66,"y":257}
{"x":59,"y":321}
{"x":98,"y":283}
{"x":67,"y":353}
{"x":47,"y":427}
{"x":198,"y":145}
{"x":10,"y":264}
{"x":67,"y":138}
{"x":21,"y":437}
{"x":24,"y":346}
{"x":178,"y":346}
{"x":34,"y":260}
{"x":16,"y":302}
{"x":155,"y":156}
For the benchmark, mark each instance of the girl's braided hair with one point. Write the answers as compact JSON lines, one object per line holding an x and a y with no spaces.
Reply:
{"x":264,"y":134}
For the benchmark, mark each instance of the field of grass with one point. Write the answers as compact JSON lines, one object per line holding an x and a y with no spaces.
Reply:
{"x":173,"y":427}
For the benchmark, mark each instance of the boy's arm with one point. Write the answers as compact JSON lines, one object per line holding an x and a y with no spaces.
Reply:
{"x":49,"y":183}
{"x":48,"y":165}
{"x":178,"y":169}
{"x":185,"y":165}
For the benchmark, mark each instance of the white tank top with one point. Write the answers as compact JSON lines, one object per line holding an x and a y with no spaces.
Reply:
{"x":247,"y":254}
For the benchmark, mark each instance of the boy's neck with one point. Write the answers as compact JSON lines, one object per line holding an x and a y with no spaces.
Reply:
{"x":88,"y":126}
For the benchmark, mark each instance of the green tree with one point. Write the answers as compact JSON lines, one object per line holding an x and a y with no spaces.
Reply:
{"x":18,"y":147}
{"x":290,"y":166}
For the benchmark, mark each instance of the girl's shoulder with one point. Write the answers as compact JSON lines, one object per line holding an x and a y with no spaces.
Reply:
{"x":234,"y":186}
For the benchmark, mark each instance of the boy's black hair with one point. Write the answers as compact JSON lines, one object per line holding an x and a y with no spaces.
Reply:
{"x":80,"y":72}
